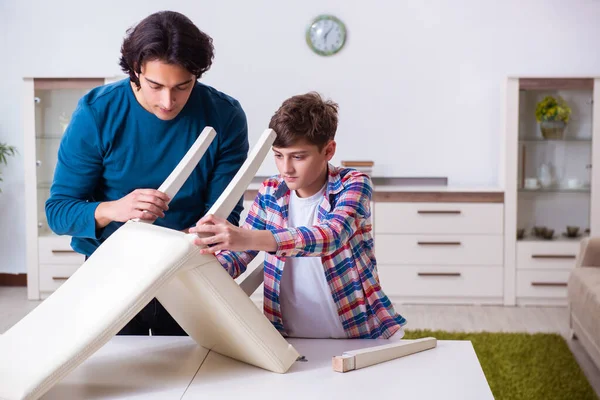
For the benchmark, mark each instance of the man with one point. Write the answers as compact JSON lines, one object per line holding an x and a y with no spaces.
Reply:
{"x":125,"y":138}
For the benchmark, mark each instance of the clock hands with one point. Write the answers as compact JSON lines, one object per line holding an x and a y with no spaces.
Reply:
{"x":327,"y":33}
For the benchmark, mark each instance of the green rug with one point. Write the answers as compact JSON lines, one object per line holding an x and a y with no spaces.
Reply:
{"x":524,"y":366}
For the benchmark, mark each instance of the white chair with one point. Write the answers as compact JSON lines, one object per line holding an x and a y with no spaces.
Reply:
{"x":136,"y":263}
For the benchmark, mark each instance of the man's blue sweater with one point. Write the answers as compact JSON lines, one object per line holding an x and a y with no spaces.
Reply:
{"x":113,"y":146}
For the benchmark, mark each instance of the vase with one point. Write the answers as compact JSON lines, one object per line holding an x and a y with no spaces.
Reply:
{"x":553,"y":129}
{"x":545,"y":175}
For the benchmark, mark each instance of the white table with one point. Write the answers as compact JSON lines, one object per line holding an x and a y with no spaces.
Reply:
{"x":176,"y":368}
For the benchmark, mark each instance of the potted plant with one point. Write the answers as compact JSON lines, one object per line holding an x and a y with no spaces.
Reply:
{"x":553,"y":115}
{"x":5,"y":151}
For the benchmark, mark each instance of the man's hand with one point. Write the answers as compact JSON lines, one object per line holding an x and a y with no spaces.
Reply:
{"x":146,"y":204}
{"x":226,"y":236}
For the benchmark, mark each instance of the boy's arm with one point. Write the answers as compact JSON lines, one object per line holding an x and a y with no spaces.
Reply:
{"x":351,"y":209}
{"x":236,"y":262}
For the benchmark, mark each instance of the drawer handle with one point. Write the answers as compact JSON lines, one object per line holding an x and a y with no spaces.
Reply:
{"x":439,"y":243}
{"x":60,"y":278}
{"x":438,"y":211}
{"x":559,"y":256}
{"x":62,"y":251}
{"x":438,"y":273}
{"x":548,"y":283}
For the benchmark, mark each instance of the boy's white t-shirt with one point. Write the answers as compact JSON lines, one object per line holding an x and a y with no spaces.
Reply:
{"x":307,"y":306}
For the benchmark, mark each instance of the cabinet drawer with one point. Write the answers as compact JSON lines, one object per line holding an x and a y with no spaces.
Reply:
{"x":438,"y":218}
{"x":57,"y":250}
{"x":54,"y":275}
{"x":439,"y":249}
{"x":542,"y":283}
{"x":547,"y":255}
{"x":447,"y":281}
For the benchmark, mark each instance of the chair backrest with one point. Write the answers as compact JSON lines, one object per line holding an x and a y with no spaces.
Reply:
{"x":137,"y":262}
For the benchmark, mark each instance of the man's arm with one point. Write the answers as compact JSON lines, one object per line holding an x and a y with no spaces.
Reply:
{"x":70,"y":209}
{"x":233,"y":151}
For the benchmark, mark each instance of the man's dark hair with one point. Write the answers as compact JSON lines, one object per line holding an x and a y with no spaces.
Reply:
{"x":170,"y":37}
{"x":307,"y":117}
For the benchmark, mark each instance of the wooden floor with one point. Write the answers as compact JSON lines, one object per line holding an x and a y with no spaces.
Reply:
{"x":14,"y":306}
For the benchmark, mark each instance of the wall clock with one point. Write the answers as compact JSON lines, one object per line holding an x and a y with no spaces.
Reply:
{"x":326,"y":35}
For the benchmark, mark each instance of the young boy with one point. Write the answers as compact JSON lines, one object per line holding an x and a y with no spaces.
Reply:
{"x":313,"y":222}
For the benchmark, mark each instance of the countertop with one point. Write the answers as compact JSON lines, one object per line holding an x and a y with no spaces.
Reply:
{"x":389,"y":191}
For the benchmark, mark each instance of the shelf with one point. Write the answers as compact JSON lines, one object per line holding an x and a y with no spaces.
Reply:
{"x":538,"y":140}
{"x":561,"y":239}
{"x":49,"y":137}
{"x":585,"y":189}
{"x":556,"y":83}
{"x":47,"y":234}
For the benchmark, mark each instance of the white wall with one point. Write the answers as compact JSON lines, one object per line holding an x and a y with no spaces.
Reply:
{"x":419,"y":82}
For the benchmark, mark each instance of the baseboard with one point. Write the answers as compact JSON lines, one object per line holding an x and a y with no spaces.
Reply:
{"x":13,"y":279}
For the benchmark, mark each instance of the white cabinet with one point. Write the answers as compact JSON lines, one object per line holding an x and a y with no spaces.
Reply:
{"x":550,"y":183}
{"x":48,"y":106}
{"x":543,"y":271}
{"x":448,"y":253}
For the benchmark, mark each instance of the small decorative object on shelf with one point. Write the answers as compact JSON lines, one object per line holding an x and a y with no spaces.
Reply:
{"x":520,"y":233}
{"x":553,"y":115}
{"x":572,"y":232}
{"x":531,"y":183}
{"x":546,"y":175}
{"x":538,"y":231}
{"x":548,"y":234}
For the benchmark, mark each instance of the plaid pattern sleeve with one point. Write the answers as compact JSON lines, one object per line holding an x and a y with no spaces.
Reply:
{"x":336,"y":228}
{"x":235,"y":262}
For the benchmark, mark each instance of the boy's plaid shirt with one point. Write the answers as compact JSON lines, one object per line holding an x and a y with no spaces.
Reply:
{"x":342,"y":239}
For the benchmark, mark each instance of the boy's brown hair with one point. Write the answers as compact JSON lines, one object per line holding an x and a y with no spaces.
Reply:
{"x":307,"y":117}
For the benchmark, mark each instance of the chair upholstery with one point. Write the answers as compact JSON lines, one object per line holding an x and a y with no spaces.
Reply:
{"x":136,"y":263}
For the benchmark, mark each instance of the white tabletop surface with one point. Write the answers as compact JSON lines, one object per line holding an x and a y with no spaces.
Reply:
{"x":449,"y":371}
{"x":134,"y":367}
{"x":130,"y":367}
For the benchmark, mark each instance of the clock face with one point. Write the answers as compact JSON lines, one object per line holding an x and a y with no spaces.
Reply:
{"x":326,"y":35}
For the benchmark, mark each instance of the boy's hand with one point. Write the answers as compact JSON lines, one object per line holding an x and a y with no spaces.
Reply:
{"x":226,"y":236}
{"x":223,"y":235}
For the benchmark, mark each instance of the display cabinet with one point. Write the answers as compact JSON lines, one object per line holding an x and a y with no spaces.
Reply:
{"x":47,"y":110}
{"x":551,"y":194}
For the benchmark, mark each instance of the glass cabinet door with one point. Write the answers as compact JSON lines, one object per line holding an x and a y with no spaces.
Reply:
{"x":555,"y":160}
{"x":55,"y":100}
